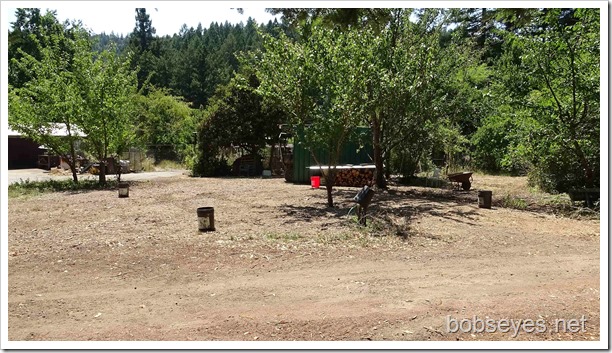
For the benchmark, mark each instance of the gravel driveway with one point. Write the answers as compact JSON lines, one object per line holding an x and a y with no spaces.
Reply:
{"x":17,"y":175}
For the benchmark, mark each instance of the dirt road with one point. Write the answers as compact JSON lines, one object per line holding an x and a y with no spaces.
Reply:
{"x":35,"y":174}
{"x":91,"y":266}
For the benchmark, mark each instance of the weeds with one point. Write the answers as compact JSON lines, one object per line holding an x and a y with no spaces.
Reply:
{"x":557,"y":204}
{"x":148,"y":165}
{"x":168,"y":165}
{"x":382,"y":224}
{"x":514,"y":202}
{"x":327,"y":238}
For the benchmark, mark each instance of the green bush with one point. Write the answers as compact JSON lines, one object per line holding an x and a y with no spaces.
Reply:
{"x":405,"y":163}
{"x":211,"y":167}
{"x":497,"y":146}
{"x":167,"y":124}
{"x":560,"y":171}
{"x":237,"y":116}
{"x":28,"y":187}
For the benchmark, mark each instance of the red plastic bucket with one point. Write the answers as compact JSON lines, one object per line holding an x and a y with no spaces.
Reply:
{"x":315,"y":182}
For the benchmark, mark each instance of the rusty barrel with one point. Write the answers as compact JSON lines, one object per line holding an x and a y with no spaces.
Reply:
{"x":124,"y":189}
{"x":206,"y":219}
{"x":484,"y":198}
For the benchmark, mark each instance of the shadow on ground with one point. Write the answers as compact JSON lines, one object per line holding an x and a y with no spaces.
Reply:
{"x":391,"y":211}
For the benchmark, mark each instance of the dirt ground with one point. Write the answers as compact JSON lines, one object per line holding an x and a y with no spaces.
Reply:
{"x":281,"y":266}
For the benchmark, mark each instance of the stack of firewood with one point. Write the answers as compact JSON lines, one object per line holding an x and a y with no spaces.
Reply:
{"x":354,"y":177}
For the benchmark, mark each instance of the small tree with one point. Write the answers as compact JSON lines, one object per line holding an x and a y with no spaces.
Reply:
{"x":164,"y":119}
{"x":319,"y":82}
{"x":555,"y":60}
{"x":84,"y":91}
{"x":48,"y":101}
{"x":107,"y":90}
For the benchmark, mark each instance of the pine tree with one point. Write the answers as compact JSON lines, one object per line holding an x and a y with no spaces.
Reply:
{"x":142,"y":45}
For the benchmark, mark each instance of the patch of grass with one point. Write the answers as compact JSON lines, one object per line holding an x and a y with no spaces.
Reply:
{"x":26,"y":187}
{"x":515,"y":192}
{"x":514,"y":202}
{"x":148,"y":165}
{"x":168,"y":165}
{"x":555,"y":201}
{"x":328,"y":238}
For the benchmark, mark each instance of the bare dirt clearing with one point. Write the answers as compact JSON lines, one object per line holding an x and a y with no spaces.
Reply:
{"x":92,"y":266}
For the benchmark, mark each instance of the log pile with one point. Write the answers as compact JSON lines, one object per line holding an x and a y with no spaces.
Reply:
{"x":354,"y":177}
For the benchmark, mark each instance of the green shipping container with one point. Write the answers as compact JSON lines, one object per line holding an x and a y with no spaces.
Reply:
{"x":356,"y":150}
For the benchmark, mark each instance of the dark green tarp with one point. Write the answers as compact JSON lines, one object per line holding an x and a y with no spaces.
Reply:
{"x":356,"y":150}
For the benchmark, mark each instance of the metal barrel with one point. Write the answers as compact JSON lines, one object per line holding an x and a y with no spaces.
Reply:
{"x":206,"y":219}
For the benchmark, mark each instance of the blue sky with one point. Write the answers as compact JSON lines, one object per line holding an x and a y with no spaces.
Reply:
{"x":166,"y":17}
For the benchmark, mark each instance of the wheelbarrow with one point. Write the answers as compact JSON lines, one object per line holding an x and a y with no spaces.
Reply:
{"x":461,"y":180}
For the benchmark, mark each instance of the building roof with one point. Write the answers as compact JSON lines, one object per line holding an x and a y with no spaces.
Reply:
{"x":57,"y":130}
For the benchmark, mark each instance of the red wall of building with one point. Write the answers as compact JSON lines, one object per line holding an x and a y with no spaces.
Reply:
{"x":22,"y":153}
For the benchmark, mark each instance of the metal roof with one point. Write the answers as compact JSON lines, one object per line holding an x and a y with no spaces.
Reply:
{"x":57,"y":130}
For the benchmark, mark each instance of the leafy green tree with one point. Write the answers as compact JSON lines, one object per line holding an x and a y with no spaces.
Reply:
{"x":86,"y":92}
{"x":237,"y":116}
{"x":31,"y":32}
{"x":47,"y":102}
{"x":413,"y":90}
{"x":106,"y":89}
{"x":377,"y":48}
{"x":319,"y":82}
{"x":500,"y":142}
{"x":383,"y":92}
{"x":166,"y":120}
{"x":554,"y":64}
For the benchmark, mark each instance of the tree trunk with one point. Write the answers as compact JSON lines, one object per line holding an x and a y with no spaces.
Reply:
{"x":378,"y":156}
{"x":588,"y":171}
{"x":102,"y":177}
{"x":329,"y":184}
{"x":75,"y":178}
{"x":270,"y":162}
{"x":387,"y":160}
{"x":118,"y":170}
{"x":72,"y":163}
